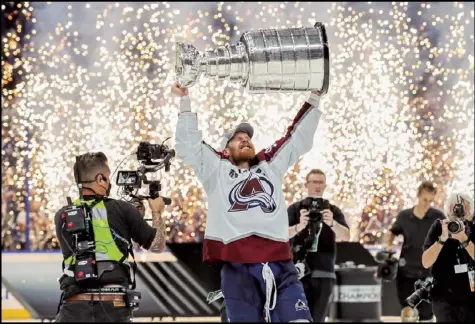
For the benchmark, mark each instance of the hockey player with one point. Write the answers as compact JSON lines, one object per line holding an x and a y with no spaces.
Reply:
{"x":247,"y":224}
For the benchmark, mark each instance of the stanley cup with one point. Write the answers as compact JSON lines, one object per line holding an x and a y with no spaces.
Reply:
{"x":270,"y":60}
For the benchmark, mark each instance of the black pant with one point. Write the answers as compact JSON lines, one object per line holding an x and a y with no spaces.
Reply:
{"x":95,"y":311}
{"x":447,"y":312}
{"x":318,"y":292}
{"x":405,"y":288}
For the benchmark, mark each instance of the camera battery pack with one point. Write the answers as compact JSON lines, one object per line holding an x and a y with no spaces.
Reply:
{"x":85,"y":269}
{"x":75,"y":219}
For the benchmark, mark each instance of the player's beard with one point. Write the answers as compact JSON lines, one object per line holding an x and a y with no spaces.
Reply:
{"x":243,"y":155}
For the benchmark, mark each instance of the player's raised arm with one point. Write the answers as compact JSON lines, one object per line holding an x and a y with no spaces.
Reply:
{"x":298,"y":139}
{"x":189,"y":143}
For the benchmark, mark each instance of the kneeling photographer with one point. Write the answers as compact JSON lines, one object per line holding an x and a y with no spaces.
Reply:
{"x":315,"y":225}
{"x":449,"y":252}
{"x":95,"y":234}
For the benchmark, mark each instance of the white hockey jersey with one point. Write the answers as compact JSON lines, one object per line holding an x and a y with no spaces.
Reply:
{"x":247,"y":218}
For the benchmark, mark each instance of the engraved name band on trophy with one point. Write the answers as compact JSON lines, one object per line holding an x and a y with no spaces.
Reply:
{"x":270,"y":60}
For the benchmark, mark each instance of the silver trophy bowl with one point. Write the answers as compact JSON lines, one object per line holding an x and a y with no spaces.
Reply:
{"x":269,"y":60}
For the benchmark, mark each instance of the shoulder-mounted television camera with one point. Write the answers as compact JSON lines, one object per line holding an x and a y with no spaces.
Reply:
{"x":152,"y":157}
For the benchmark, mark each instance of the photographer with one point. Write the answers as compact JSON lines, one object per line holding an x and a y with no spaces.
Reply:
{"x":99,"y":264}
{"x":320,"y":248}
{"x":413,"y":224}
{"x":449,"y":253}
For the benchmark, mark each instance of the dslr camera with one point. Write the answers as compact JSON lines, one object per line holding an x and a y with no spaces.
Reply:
{"x":422,"y":292}
{"x":455,"y":226}
{"x":315,"y":207}
{"x":388,"y":265}
{"x":301,"y":243}
{"x":152,"y":157}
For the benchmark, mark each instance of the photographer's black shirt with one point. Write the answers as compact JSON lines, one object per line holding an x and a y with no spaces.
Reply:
{"x":449,"y":286}
{"x":127,"y":222}
{"x":414,"y":230}
{"x":322,"y":261}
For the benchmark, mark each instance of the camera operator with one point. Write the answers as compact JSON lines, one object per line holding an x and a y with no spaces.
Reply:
{"x":414,"y":224}
{"x":449,"y":253}
{"x":99,"y":265}
{"x":318,"y":284}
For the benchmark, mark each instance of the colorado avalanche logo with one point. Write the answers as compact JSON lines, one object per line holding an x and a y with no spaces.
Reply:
{"x":255,"y":191}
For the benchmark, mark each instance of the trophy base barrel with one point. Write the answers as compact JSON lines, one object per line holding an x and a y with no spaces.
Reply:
{"x":326,"y":58}
{"x":288,"y":60}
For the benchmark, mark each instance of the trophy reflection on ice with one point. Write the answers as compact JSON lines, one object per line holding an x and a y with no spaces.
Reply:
{"x":269,"y":60}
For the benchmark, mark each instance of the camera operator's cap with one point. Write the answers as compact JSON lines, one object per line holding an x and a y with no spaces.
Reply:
{"x":241,"y":128}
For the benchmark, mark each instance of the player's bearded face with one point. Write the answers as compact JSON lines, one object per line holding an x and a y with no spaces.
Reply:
{"x":241,"y":148}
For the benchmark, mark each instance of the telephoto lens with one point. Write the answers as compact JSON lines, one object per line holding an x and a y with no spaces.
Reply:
{"x":422,"y":292}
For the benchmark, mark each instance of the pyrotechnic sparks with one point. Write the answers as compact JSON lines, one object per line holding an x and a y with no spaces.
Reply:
{"x":398,"y":111}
